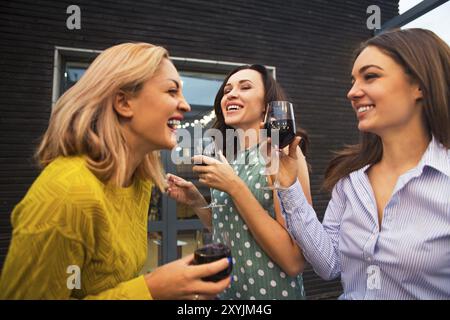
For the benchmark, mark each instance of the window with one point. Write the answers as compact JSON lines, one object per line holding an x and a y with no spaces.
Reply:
{"x":73,"y":71}
{"x":69,"y":66}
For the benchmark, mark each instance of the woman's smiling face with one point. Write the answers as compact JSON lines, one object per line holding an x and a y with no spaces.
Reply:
{"x":158,"y":109}
{"x":383,"y":96}
{"x":243,"y":102}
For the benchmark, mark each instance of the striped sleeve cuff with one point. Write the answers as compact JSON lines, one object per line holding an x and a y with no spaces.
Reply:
{"x":292,"y":197}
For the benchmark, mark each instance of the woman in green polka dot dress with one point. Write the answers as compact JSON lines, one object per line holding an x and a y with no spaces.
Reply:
{"x":267,"y":262}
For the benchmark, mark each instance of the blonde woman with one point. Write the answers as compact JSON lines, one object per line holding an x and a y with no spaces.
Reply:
{"x":86,"y":213}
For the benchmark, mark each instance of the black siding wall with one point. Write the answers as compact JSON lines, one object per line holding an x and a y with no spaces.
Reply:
{"x":309,"y":42}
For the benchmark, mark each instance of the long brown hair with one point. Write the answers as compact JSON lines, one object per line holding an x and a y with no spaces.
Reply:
{"x":272,"y":92}
{"x":425,"y":58}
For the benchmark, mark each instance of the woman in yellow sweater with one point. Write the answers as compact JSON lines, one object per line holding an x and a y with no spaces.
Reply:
{"x":81,"y":230}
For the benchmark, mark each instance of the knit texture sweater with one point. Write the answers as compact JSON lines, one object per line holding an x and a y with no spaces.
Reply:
{"x":75,"y":237}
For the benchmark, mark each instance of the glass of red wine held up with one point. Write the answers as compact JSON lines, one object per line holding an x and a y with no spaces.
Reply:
{"x":279,"y":122}
{"x":206,"y":146}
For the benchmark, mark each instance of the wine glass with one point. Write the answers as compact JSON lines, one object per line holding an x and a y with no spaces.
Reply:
{"x":279,"y":122}
{"x":215,"y":251}
{"x":207,"y":147}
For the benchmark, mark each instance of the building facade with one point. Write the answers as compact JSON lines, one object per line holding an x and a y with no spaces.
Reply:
{"x":307,"y":44}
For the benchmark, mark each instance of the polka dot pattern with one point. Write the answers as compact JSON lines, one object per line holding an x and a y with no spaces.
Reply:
{"x":255,"y":275}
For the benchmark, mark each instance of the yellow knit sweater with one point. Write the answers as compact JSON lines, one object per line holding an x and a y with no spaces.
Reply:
{"x":71,"y":231}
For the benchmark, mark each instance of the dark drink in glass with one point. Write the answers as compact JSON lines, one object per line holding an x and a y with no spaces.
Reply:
{"x":213,"y":252}
{"x":286,"y":130}
{"x":280,"y":118}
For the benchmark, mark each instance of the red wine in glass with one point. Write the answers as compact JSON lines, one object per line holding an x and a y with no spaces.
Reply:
{"x":279,"y":118}
{"x":213,"y":252}
{"x":286,"y":129}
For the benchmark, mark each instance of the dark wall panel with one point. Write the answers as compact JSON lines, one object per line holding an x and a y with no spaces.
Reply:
{"x":309,"y":42}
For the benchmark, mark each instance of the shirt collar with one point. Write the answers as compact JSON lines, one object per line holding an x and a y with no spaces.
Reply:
{"x":435,"y":156}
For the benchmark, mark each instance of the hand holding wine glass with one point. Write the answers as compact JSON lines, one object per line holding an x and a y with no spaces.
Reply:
{"x":288,"y":165}
{"x":280,"y":119}
{"x":206,"y":146}
{"x":280,"y":125}
{"x":214,"y":251}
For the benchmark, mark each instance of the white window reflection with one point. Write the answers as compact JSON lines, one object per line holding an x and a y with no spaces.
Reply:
{"x":436,"y":20}
{"x":200,"y":89}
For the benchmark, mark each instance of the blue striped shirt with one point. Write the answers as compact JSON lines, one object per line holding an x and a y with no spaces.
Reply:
{"x":408,"y":259}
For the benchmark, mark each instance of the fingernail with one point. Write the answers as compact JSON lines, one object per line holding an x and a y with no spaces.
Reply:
{"x":230,"y":261}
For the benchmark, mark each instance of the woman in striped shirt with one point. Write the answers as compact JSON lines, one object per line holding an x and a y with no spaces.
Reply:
{"x":386,"y":231}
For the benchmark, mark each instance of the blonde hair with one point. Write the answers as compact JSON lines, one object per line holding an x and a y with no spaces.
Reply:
{"x":84,"y":122}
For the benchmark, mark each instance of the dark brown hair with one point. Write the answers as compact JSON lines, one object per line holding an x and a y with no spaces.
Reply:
{"x":425,"y":58}
{"x":272,"y":92}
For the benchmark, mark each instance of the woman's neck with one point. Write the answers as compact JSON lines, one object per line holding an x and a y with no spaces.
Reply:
{"x":133,"y":163}
{"x":136,"y":154}
{"x":403,"y":151}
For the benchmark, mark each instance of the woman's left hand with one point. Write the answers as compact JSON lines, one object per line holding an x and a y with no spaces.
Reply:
{"x":184,"y":192}
{"x":216,"y":174}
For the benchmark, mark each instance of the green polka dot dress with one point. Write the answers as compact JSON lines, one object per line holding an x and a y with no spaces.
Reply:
{"x":255,"y":275}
